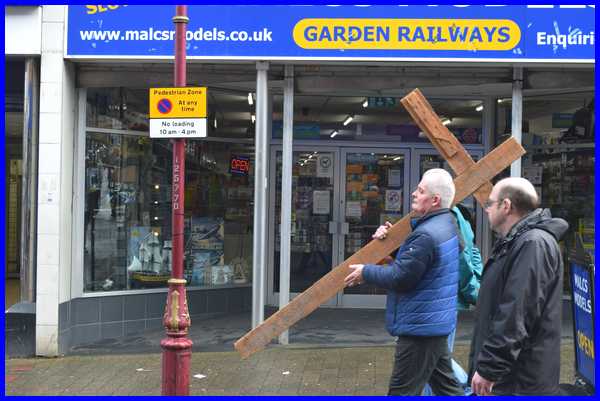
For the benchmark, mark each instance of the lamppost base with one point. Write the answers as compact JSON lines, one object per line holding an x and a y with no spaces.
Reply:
{"x":176,"y":359}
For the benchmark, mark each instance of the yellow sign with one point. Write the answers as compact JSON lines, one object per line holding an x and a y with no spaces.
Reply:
{"x":407,"y":34}
{"x":178,"y":102}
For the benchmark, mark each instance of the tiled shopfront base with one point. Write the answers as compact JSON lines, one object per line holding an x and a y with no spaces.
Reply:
{"x":85,"y":320}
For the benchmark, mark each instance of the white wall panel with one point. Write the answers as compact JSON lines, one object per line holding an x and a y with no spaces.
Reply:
{"x":22,"y":30}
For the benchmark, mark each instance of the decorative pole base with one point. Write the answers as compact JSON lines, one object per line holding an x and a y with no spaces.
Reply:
{"x":177,"y":348}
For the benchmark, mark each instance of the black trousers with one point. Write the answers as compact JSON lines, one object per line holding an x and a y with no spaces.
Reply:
{"x":419,"y":360}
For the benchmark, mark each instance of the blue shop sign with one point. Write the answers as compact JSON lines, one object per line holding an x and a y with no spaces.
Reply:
{"x":515,"y":33}
{"x":583,"y":319}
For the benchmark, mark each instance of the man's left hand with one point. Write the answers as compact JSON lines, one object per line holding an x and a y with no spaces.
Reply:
{"x":481,"y":386}
{"x":356,"y":277}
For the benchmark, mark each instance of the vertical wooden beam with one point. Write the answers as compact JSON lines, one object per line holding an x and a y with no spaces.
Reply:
{"x":442,"y":139}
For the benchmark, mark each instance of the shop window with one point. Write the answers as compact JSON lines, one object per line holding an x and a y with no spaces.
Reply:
{"x":127,"y":236}
{"x":558,"y":135}
{"x":374,"y":119}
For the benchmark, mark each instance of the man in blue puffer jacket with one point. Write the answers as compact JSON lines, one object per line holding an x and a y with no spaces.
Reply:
{"x":422,"y":285}
{"x":470,"y":270}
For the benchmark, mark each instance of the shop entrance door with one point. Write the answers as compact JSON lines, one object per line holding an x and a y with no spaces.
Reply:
{"x":314,"y":223}
{"x":339,"y":198}
{"x":373,"y":189}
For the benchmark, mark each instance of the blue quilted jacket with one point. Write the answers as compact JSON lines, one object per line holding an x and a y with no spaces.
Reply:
{"x":422,"y":282}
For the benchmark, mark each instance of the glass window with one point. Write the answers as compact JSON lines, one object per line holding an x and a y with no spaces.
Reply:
{"x":374,"y":194}
{"x":128,"y":204}
{"x":312,"y":200}
{"x":558,"y":135}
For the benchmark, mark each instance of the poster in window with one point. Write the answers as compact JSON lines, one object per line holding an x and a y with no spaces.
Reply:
{"x":394,"y":178}
{"x":321,"y":202}
{"x":393,"y":200}
{"x":325,"y":165}
{"x":353,"y":209}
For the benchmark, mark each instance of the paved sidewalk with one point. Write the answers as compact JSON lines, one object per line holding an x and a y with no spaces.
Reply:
{"x":278,"y":370}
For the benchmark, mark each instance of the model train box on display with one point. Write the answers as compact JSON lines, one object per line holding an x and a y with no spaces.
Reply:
{"x":205,"y":253}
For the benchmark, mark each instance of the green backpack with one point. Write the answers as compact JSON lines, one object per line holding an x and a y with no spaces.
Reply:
{"x":470,"y":267}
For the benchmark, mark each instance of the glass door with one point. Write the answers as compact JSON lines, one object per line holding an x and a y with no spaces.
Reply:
{"x":313,"y":227}
{"x":425,"y":159}
{"x":373,"y":190}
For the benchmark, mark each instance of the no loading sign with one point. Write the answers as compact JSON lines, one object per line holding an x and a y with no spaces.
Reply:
{"x":178,"y":112}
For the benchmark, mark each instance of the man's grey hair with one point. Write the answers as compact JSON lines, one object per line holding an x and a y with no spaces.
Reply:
{"x":438,"y":181}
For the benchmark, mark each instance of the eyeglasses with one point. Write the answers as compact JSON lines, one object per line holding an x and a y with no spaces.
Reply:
{"x":488,"y":203}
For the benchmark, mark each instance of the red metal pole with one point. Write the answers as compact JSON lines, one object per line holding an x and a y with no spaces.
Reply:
{"x":177,"y":348}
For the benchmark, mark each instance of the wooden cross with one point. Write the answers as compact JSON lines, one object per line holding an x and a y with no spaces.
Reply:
{"x":470,"y":178}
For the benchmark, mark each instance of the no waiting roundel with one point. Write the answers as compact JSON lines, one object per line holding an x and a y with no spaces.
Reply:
{"x":164,"y":106}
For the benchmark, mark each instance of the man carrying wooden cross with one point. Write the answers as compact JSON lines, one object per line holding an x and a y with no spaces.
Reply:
{"x":422,"y":286}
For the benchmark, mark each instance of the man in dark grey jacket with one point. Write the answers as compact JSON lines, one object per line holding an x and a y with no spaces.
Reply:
{"x":516,"y":344}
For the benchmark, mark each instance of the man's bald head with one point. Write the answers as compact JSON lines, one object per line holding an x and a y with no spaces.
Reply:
{"x":521,"y":193}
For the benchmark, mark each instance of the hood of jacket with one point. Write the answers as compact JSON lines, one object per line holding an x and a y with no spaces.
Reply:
{"x":543,"y":220}
{"x":539,"y":218}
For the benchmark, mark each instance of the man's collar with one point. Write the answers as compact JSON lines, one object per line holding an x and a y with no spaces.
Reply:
{"x":522,"y":222}
{"x":418,"y":220}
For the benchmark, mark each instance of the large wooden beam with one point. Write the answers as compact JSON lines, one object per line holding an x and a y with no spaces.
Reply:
{"x":471,"y":179}
{"x":442,"y":139}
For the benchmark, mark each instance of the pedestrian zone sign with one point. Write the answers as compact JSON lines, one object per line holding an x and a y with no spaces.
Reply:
{"x":177,"y":112}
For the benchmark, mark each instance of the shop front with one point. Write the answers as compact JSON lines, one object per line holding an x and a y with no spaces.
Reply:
{"x":327,"y":80}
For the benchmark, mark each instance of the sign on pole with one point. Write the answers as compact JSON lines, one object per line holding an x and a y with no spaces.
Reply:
{"x":177,"y":112}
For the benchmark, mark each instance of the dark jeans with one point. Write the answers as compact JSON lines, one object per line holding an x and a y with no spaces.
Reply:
{"x":421,"y":360}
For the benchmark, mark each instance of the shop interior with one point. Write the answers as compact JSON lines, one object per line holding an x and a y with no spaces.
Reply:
{"x":13,"y":142}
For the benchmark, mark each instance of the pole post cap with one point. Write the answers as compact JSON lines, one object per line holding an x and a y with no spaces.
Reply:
{"x":181,"y":18}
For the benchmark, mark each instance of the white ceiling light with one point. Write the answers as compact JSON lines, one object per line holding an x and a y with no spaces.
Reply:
{"x":479,"y":108}
{"x":250,"y":99}
{"x":366,"y":103}
{"x":446,"y":121}
{"x":215,"y":123}
{"x":334,"y":133}
{"x":253,"y":117}
{"x":348,"y":120}
{"x":397,"y":158}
